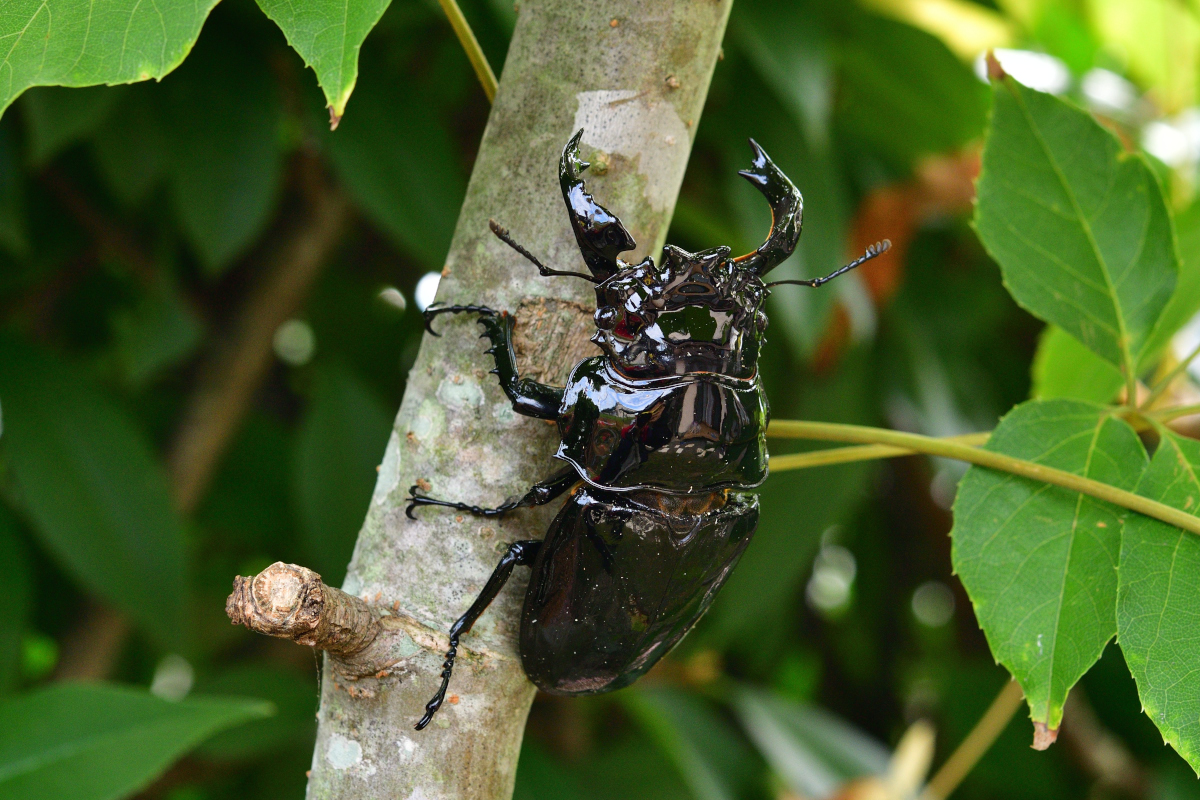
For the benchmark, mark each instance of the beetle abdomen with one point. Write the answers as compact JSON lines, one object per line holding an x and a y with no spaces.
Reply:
{"x":618,"y":582}
{"x":682,"y":434}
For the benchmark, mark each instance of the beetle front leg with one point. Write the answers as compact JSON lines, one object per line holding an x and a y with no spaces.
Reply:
{"x":539,"y":494}
{"x":530,"y":398}
{"x":518,"y":554}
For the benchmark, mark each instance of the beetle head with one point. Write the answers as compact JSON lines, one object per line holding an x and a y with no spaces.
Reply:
{"x":691,"y":312}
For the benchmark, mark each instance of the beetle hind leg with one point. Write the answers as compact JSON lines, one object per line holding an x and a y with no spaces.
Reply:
{"x":519,"y":554}
{"x":540,"y":493}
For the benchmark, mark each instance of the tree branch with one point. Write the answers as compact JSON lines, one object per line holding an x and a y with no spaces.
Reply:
{"x":602,"y":67}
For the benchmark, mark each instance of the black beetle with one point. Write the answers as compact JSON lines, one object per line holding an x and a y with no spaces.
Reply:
{"x":660,"y":435}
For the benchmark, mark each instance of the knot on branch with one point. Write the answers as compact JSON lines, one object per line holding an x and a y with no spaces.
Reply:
{"x":290,"y":602}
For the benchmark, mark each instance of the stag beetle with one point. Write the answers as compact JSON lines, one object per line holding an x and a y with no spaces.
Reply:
{"x":661,"y":434}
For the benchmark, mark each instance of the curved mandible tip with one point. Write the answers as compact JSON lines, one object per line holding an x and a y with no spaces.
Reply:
{"x":599,"y":232}
{"x":787,"y":213}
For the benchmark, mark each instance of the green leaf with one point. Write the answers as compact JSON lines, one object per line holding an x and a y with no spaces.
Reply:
{"x":223,"y":117}
{"x":791,"y":52}
{"x":93,"y":490}
{"x":328,"y":35}
{"x":131,"y":147}
{"x":13,"y":237}
{"x":904,"y":93}
{"x":813,"y":752}
{"x":159,"y":331}
{"x":18,"y":600}
{"x":1185,"y":302}
{"x":710,"y":757}
{"x":101,"y":742}
{"x":56,"y":117}
{"x":295,"y":701}
{"x":84,"y":43}
{"x":1038,"y":561}
{"x":1078,"y":226}
{"x":340,"y":443}
{"x":395,"y":156}
{"x":1159,"y":598}
{"x":1063,"y":367}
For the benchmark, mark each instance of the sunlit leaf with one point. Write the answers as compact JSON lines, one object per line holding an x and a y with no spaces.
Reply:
{"x":98,"y":742}
{"x":83,"y":43}
{"x":328,"y":35}
{"x":1159,"y":599}
{"x":1078,"y":225}
{"x":1039,"y":561}
{"x":1062,"y":367}
{"x":93,"y":490}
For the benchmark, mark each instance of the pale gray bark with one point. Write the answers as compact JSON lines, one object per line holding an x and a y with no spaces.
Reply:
{"x":634,"y":74}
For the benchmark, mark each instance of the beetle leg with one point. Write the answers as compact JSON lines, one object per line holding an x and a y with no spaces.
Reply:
{"x":539,"y":494}
{"x":530,"y":398}
{"x":518,"y":554}
{"x":434,"y":310}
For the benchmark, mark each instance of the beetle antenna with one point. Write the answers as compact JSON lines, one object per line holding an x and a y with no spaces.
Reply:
{"x":877,"y":249}
{"x":503,"y":235}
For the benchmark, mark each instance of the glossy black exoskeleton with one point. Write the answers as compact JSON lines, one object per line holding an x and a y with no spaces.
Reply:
{"x":661,"y":435}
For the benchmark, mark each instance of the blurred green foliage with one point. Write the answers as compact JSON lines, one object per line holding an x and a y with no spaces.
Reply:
{"x":133,"y":223}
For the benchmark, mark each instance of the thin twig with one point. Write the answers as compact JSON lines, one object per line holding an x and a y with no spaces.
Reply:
{"x":861,"y":434}
{"x":866,"y":452}
{"x":466,"y":37}
{"x":1165,"y":383}
{"x":978,"y":741}
{"x":1168,"y":414}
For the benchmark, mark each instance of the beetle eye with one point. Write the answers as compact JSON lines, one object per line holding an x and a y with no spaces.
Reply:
{"x":605,"y":318}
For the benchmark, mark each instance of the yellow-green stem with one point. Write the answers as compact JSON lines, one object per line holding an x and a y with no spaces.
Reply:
{"x":866,"y":452}
{"x":982,"y":736}
{"x":466,"y":37}
{"x":1166,"y":381}
{"x":861,"y":434}
{"x":1168,"y":414}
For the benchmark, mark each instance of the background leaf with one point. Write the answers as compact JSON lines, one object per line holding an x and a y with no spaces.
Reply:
{"x":328,"y":35}
{"x":339,"y":445}
{"x":18,"y":601}
{"x":714,"y":763}
{"x":1159,"y":599}
{"x":56,"y":117}
{"x":1063,"y":367}
{"x":81,"y":43}
{"x":1078,"y":226}
{"x":811,"y":750}
{"x":93,"y":490}
{"x":223,"y":116}
{"x":400,"y":168}
{"x":1038,"y":561}
{"x":97,"y":742}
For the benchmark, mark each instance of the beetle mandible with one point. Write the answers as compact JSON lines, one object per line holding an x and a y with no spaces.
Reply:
{"x":661,"y":436}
